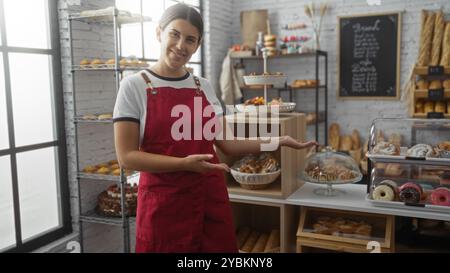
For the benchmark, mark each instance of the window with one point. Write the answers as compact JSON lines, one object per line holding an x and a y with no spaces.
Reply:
{"x":34,"y":200}
{"x":139,"y":40}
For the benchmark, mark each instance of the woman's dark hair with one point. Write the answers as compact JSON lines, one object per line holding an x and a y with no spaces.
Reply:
{"x":182,"y":11}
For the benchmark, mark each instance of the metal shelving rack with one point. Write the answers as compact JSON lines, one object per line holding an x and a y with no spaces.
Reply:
{"x":318,"y":55}
{"x":116,"y":19}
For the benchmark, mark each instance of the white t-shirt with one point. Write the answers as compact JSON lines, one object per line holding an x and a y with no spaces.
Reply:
{"x":131,"y":102}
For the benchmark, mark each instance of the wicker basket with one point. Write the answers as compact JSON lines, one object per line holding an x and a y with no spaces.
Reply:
{"x":255,"y":181}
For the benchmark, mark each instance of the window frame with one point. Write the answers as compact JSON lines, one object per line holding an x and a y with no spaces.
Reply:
{"x":201,"y":63}
{"x":59,"y":122}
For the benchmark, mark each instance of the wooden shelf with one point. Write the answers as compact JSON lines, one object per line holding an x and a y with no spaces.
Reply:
{"x":423,"y":70}
{"x":272,"y":191}
{"x":423,"y":115}
{"x":423,"y":94}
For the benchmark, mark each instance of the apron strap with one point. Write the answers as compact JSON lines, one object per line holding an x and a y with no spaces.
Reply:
{"x":197,"y":84}
{"x":148,"y":82}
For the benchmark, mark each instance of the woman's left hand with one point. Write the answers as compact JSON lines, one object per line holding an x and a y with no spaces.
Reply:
{"x":295,"y":144}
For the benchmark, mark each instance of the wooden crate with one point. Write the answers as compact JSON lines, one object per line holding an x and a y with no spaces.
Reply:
{"x":422,"y":94}
{"x":383,"y":232}
{"x":290,"y":160}
{"x":265,"y":217}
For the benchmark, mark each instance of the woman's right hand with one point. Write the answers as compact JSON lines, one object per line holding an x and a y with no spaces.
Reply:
{"x":198,"y":163}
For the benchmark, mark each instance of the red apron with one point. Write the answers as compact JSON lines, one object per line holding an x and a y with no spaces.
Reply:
{"x":181,"y":211}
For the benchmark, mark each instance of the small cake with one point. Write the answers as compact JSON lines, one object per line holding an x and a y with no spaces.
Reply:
{"x":90,"y":169}
{"x":85,"y":62}
{"x":103,"y":170}
{"x":386,"y":148}
{"x":108,"y":202}
{"x":421,"y":151}
{"x":410,"y":193}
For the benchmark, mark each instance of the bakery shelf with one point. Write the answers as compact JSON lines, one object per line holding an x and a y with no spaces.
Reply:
{"x":123,"y":18}
{"x":94,"y":217}
{"x":294,"y":55}
{"x":424,"y":116}
{"x":423,"y":70}
{"x":123,"y":68}
{"x":95,"y":121}
{"x":307,"y":87}
{"x":113,"y":178}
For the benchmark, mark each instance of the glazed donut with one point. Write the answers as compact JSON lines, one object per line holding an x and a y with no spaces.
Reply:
{"x":386,"y":148}
{"x":410,"y":193}
{"x":383,"y":193}
{"x":441,"y":197}
{"x":420,"y":150}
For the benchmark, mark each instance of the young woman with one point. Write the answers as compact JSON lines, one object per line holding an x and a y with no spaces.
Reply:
{"x":183,"y":203}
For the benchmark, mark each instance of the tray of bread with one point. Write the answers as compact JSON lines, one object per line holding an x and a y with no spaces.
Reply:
{"x":110,"y":168}
{"x":276,"y":79}
{"x":328,"y":167}
{"x":256,"y":172}
{"x":87,"y":64}
{"x":258,"y":104}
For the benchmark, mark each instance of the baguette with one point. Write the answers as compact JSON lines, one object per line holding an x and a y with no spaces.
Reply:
{"x":439,"y":25}
{"x":261,"y":243}
{"x":445,"y":57}
{"x":425,"y":47}
{"x":273,"y":241}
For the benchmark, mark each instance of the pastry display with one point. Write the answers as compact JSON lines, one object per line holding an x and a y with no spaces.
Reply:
{"x":441,"y":197}
{"x":108,"y":168}
{"x":265,"y":163}
{"x":410,"y":193}
{"x":342,"y":227}
{"x":386,"y":148}
{"x":108,"y":202}
{"x":421,"y":151}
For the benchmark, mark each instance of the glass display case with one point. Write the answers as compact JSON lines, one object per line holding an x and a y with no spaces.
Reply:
{"x":330,"y":168}
{"x":410,"y":164}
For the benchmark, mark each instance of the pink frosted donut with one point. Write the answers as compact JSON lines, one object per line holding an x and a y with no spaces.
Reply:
{"x":441,"y":197}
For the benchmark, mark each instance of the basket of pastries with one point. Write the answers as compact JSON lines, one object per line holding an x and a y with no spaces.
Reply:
{"x":256,"y":172}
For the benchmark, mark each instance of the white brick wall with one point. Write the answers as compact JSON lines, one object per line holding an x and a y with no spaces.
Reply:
{"x":350,"y":114}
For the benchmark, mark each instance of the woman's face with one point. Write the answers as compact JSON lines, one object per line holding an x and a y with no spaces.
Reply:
{"x":179,"y":40}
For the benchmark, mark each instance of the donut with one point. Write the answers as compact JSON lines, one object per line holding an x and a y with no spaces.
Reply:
{"x":421,"y":150}
{"x":386,"y":148}
{"x":383,"y":193}
{"x":441,"y":197}
{"x":410,"y":193}
{"x":391,"y":184}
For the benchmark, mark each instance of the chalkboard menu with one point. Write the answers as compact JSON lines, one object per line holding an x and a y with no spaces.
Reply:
{"x":369,"y":56}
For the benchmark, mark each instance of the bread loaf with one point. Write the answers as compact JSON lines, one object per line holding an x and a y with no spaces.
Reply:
{"x":333,"y":137}
{"x":395,"y":139}
{"x":251,"y":241}
{"x":260,"y":243}
{"x":425,"y":47}
{"x":445,"y":56}
{"x":356,"y":140}
{"x":356,"y":154}
{"x":346,"y":143}
{"x":419,"y":107}
{"x":435,"y":84}
{"x":242,"y":236}
{"x":446,"y":84}
{"x":438,"y":35}
{"x":422,"y":84}
{"x":429,"y":107}
{"x":439,"y":107}
{"x":273,"y":241}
